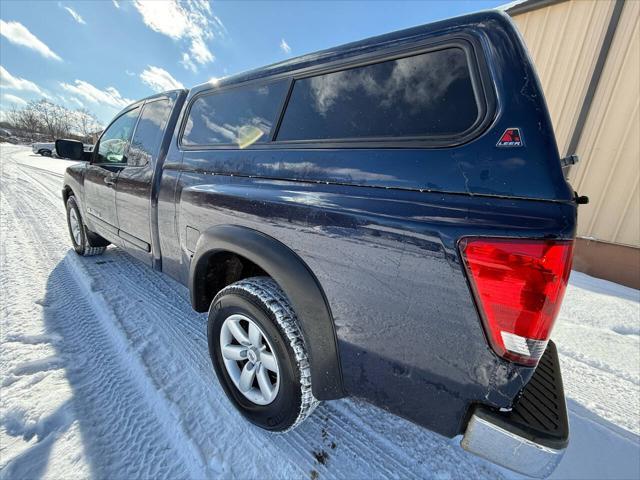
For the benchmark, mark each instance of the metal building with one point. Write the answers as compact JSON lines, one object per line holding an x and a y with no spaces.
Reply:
{"x":587,"y":53}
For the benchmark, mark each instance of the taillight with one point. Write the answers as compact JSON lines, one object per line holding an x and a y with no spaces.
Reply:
{"x":518,"y":286}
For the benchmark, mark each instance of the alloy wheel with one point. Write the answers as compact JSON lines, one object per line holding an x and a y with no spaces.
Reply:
{"x":249,"y":359}
{"x":74,"y":221}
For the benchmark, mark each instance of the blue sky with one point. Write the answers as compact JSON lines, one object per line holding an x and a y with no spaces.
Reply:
{"x":103,"y":54}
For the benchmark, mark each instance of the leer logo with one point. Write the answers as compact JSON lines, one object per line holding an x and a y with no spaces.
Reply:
{"x":510,"y":138}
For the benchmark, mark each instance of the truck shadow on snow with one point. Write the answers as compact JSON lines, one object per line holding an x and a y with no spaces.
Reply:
{"x":147,"y":403}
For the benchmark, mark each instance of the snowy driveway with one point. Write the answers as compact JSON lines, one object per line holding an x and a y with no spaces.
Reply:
{"x":105,"y":373}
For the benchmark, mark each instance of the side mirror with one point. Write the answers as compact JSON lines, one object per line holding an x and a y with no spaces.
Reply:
{"x":71,"y":149}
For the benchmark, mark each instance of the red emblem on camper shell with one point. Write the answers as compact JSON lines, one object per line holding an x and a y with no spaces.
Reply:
{"x":510,"y":138}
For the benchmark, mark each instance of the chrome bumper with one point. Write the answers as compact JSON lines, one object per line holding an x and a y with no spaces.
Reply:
{"x":516,"y":453}
{"x":533,"y":436}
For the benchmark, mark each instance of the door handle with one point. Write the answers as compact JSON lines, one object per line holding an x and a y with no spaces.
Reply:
{"x":110,"y":181}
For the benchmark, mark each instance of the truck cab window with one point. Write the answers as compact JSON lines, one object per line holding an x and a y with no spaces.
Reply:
{"x":113,"y":145}
{"x":148,"y":135}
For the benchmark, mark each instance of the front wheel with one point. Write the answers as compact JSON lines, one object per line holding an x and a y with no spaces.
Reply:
{"x":82,"y":244}
{"x":259,"y":355}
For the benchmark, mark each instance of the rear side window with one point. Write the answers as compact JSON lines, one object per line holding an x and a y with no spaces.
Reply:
{"x":426,"y":95}
{"x":239,"y":116}
{"x":148,"y":136}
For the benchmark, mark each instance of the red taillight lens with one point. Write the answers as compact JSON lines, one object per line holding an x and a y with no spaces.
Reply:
{"x":518,"y":286}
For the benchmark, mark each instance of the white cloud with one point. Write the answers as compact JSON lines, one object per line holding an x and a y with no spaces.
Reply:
{"x":17,"y":33}
{"x":108,"y":97}
{"x":8,"y":98}
{"x":68,"y":101}
{"x":16,"y":83}
{"x":159,"y":79}
{"x":221,"y":30}
{"x":76,"y":16}
{"x":167,"y":18}
{"x":130,"y":73}
{"x":284,"y":46}
{"x":77,"y":102}
{"x":116,"y":4}
{"x":200,"y":52}
{"x":187,"y":63}
{"x":192,"y":22}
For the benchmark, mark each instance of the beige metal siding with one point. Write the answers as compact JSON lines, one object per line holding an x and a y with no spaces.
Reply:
{"x":609,"y":171}
{"x":564,"y":40}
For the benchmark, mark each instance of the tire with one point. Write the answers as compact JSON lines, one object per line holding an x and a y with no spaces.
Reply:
{"x":45,"y":153}
{"x":261,"y":301}
{"x":84,"y":242}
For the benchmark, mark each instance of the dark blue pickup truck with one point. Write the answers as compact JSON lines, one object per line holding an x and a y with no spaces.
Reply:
{"x":387,"y":219}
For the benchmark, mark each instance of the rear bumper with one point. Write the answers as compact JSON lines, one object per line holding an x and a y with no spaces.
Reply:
{"x":532,"y":437}
{"x":487,"y":440}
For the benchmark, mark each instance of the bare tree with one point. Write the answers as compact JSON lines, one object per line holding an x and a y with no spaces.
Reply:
{"x":86,"y":124}
{"x":55,"y":119}
{"x":27,"y":120}
{"x":44,"y":118}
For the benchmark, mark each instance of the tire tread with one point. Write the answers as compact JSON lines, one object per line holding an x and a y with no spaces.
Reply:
{"x":91,"y":251}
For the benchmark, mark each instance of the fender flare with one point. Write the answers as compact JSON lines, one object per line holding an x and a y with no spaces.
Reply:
{"x":297,"y":281}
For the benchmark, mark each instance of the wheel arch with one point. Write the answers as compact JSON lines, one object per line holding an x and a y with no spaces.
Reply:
{"x":67,"y":191}
{"x":294,"y":277}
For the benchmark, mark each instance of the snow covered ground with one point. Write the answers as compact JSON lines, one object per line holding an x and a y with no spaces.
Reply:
{"x":104,"y":372}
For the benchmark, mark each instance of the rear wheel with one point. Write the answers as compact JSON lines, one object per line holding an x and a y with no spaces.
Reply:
{"x":45,"y":153}
{"x":85,"y":243}
{"x":259,"y":354}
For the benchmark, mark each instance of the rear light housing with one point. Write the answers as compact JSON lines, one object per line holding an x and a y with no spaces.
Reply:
{"x":518,"y":286}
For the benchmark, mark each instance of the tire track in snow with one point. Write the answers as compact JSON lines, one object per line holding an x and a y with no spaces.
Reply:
{"x":41,"y":170}
{"x":118,"y":379}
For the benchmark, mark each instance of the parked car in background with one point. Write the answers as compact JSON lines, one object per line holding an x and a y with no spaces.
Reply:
{"x":46,"y":149}
{"x":387,"y":220}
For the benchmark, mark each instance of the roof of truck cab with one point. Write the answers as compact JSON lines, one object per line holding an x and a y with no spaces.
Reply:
{"x":361,"y":46}
{"x":145,"y":99}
